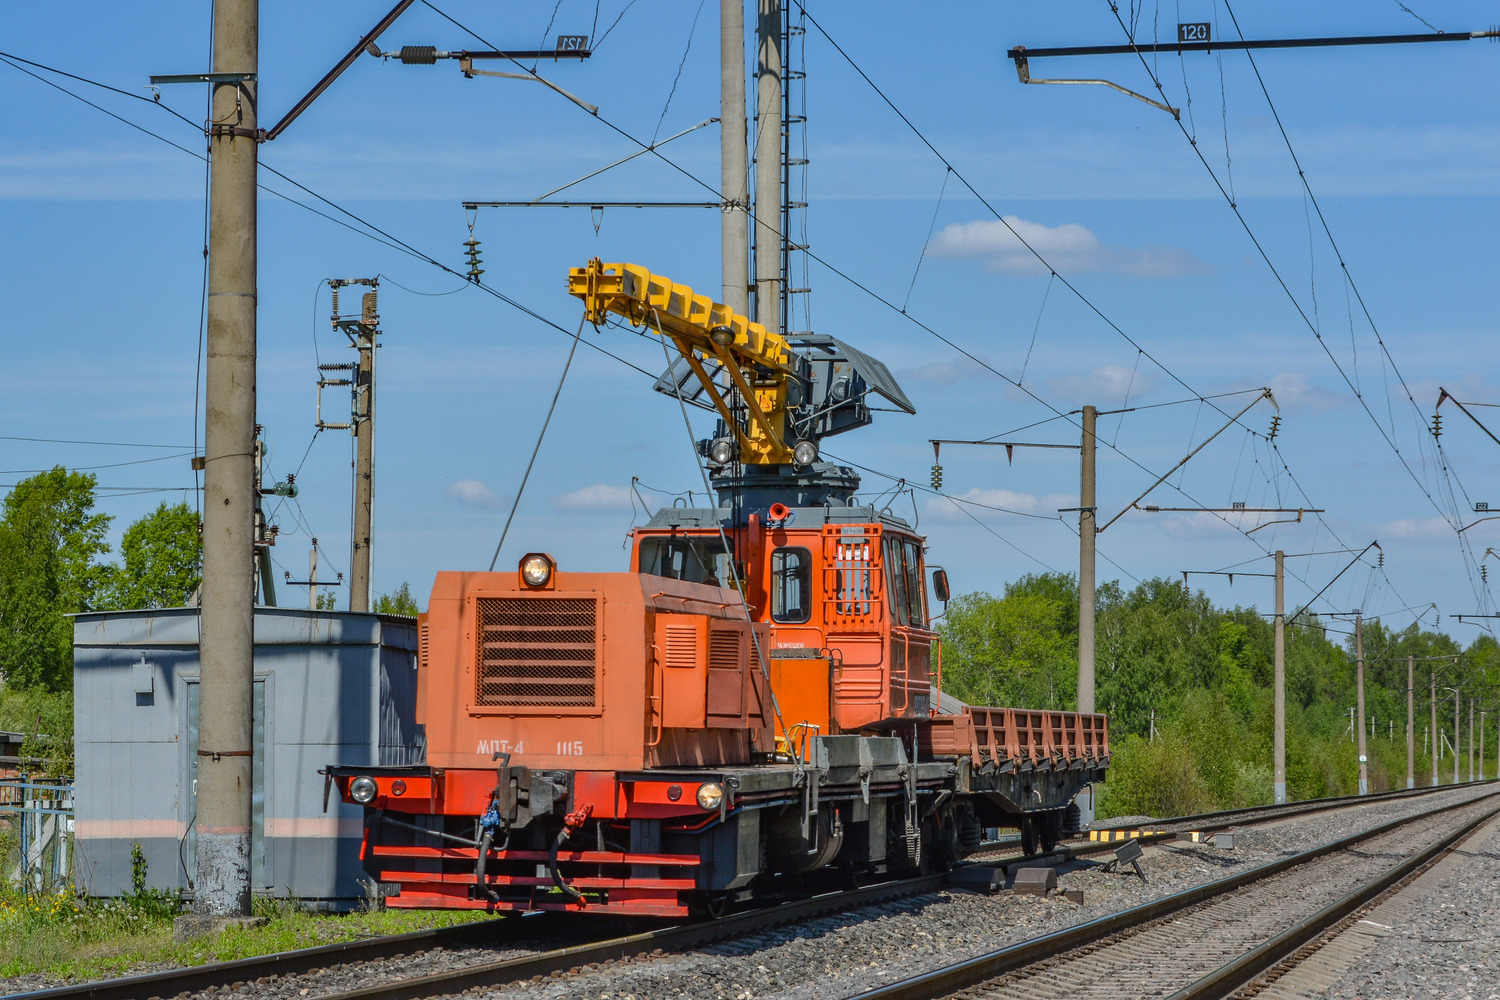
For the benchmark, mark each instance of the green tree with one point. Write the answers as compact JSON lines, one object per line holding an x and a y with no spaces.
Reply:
{"x":1020,"y":649}
{"x":400,"y":602}
{"x":56,"y":509}
{"x":50,"y":538}
{"x":163,"y":561}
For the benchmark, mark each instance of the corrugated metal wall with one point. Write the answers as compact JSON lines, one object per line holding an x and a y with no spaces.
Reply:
{"x":330,"y":688}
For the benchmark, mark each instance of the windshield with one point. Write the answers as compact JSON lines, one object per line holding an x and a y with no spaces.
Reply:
{"x":694,"y":558}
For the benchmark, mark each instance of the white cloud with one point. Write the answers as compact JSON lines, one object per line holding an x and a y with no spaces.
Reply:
{"x":599,"y":496}
{"x":1415,"y":527}
{"x":976,"y":501}
{"x":1070,"y":248}
{"x":1107,"y":385}
{"x":1199,"y":525}
{"x":1468,"y":388}
{"x":943,"y":372}
{"x":943,"y":509}
{"x":473,"y":493}
{"x":1295,"y":393}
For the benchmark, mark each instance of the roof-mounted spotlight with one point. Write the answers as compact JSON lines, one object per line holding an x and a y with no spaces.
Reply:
{"x":721,"y":452}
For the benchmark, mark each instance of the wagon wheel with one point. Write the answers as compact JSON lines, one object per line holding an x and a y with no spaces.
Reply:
{"x":1029,"y":836}
{"x":1050,"y":829}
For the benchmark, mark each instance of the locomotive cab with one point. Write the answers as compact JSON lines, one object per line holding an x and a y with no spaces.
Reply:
{"x":842,"y":591}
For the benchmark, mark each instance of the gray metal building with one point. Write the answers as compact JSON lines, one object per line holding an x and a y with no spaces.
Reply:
{"x":330,"y":688}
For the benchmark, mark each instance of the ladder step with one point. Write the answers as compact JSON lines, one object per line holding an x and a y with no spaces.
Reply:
{"x":796,"y":161}
{"x":795,"y":120}
{"x":798,"y":291}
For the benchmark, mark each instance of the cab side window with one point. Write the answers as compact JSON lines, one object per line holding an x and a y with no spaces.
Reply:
{"x":904,"y":585}
{"x":791,"y":585}
{"x":915,"y":589}
{"x":895,"y":581}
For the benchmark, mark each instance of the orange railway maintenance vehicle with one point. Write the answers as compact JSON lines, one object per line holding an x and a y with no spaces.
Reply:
{"x":753,"y":709}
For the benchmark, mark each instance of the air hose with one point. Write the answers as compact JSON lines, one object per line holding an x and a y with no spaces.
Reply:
{"x":488,"y":824}
{"x":571,"y":822}
{"x":566,"y":889}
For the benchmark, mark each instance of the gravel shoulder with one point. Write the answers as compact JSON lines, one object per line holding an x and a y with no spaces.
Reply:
{"x":1441,"y":942}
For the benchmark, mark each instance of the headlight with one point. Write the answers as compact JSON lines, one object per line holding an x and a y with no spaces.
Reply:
{"x":362,"y":790}
{"x":805,"y":453}
{"x":536,"y":570}
{"x":721,"y":452}
{"x":710,"y":795}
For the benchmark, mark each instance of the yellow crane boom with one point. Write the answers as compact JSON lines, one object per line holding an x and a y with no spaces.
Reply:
{"x":758,"y":361}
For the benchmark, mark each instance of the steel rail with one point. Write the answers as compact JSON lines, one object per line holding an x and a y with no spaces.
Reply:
{"x":1262,"y":958}
{"x":1298,"y":808}
{"x":1080,"y":847}
{"x":302,"y":960}
{"x":666,"y":939}
{"x":306,"y":960}
{"x":971,"y":972}
{"x":222,"y":974}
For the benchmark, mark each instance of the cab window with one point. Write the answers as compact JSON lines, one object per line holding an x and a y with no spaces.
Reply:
{"x":911,"y":552}
{"x":903,"y":577}
{"x":791,"y":585}
{"x":895,"y":581}
{"x":693,"y":558}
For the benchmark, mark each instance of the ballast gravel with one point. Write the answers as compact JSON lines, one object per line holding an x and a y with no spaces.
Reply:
{"x":839,"y":955}
{"x":1446,"y":948}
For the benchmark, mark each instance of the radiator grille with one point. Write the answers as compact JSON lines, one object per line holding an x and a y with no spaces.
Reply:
{"x":724,"y":649}
{"x":680,"y":648}
{"x":536,"y":651}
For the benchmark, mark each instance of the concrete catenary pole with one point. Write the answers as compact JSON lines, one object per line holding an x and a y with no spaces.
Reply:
{"x":734,"y":227}
{"x":1278,"y":744}
{"x":227,"y":615}
{"x":1457,"y":736}
{"x":1359,"y":700}
{"x":1411,"y":702}
{"x":1432,"y":701}
{"x":366,"y":333}
{"x":1087,"y":532}
{"x":768,"y":166}
{"x":312,"y":576}
{"x":1471,"y":739}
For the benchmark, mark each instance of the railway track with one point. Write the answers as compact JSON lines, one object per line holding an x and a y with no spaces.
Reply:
{"x":517,"y":941}
{"x":1213,"y":939}
{"x":994,"y":852}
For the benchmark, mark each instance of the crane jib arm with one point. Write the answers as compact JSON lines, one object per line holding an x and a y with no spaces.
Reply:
{"x":758,"y":361}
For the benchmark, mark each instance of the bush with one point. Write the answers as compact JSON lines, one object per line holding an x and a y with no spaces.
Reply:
{"x":1154,"y":778}
{"x":149,"y":904}
{"x":47,"y":720}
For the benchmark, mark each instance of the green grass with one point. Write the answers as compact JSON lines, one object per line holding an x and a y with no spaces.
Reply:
{"x":61,"y":936}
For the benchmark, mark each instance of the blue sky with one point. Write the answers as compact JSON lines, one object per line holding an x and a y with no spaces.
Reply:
{"x":101,"y":230}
